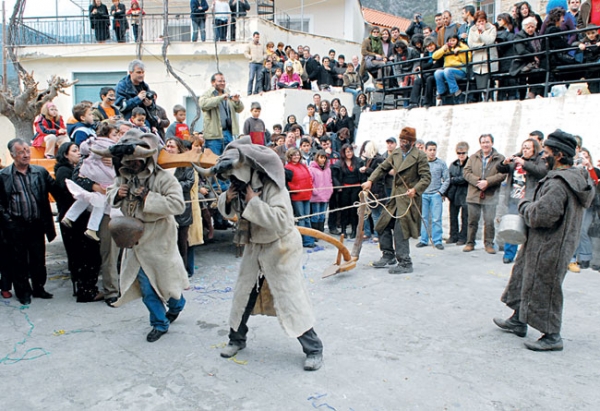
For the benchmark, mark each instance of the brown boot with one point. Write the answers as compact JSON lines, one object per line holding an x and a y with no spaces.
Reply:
{"x":468,"y":247}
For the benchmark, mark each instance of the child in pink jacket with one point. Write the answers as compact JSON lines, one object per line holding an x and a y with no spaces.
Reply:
{"x":323,"y":189}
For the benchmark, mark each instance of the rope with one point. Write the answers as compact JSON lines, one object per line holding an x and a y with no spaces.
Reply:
{"x":11,"y":360}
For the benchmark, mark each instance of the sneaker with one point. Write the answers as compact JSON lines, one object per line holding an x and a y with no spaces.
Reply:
{"x":421,"y":245}
{"x":230,"y":350}
{"x":66,"y":222}
{"x":155,"y":335}
{"x":439,"y":246}
{"x":574,"y":268}
{"x":313,"y":362}
{"x":384,"y":262}
{"x":547,"y":342}
{"x":91,"y":234}
{"x":400,"y":269}
{"x":507,"y":260}
{"x":6,"y":294}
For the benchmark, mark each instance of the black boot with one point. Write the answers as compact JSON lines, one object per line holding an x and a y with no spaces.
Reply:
{"x":512,"y":325}
{"x":322,"y":226}
{"x":353,"y":233}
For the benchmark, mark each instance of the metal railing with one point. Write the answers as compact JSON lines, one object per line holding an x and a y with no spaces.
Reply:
{"x":541,"y":79}
{"x":77,"y":29}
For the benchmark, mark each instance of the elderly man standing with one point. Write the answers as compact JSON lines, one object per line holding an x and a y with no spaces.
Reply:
{"x":131,"y":89}
{"x":220,"y":119}
{"x":553,"y":218}
{"x":255,"y":54}
{"x":26,"y":217}
{"x":403,"y":219}
{"x":482,"y":196}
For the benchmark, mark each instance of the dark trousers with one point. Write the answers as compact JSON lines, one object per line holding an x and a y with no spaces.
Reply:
{"x":489,"y":231}
{"x":455,"y":233}
{"x":333,"y":219}
{"x":311,"y":343}
{"x":393,"y":244}
{"x":182,"y":245}
{"x":26,"y":252}
{"x":429,"y":85}
{"x":120,"y":33}
{"x":347,"y":197}
{"x":84,"y":258}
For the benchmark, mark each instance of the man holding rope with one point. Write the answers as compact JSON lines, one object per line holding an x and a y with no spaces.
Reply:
{"x":402,"y":216}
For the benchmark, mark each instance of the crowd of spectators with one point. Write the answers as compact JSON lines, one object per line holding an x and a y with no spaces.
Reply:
{"x":507,"y":59}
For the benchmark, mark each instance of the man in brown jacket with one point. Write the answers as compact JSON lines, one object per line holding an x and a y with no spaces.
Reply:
{"x":484,"y":181}
{"x":411,"y":179}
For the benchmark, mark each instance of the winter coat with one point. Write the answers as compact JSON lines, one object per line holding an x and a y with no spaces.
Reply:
{"x":458,"y":60}
{"x":265,"y":77}
{"x":156,"y":251}
{"x":480,"y":57}
{"x":457,"y":191}
{"x":92,"y":166}
{"x":43,"y":127}
{"x":535,"y":169}
{"x":41,"y":184}
{"x":241,"y":10}
{"x":127,"y":96}
{"x":198,"y":9}
{"x":473,"y":172}
{"x":521,"y":51}
{"x":209,"y":103}
{"x":505,"y":50}
{"x":275,"y":252}
{"x":298,"y":178}
{"x":371,"y":164}
{"x":99,"y":19}
{"x":185,"y":176}
{"x":120,"y":17}
{"x":414,"y":172}
{"x":322,"y":182}
{"x":553,"y":219}
{"x":100,"y":114}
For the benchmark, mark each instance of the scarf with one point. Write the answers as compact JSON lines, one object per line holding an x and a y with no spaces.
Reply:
{"x":376,"y":46}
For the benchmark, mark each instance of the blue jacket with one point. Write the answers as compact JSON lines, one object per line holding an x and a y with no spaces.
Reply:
{"x":198,"y":9}
{"x":127,"y":96}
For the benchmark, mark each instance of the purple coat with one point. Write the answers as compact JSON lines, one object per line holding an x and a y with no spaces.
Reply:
{"x":321,"y":179}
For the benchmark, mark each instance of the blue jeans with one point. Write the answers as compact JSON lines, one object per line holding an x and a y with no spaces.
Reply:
{"x":432,"y":210}
{"x":155,"y":304}
{"x":220,"y":30}
{"x":318,"y":208}
{"x":375,"y":214}
{"x":354,"y":92}
{"x":215,"y":145}
{"x":510,"y":250}
{"x":199,"y":24}
{"x":448,"y":75}
{"x":584,"y":249}
{"x":227,"y":138}
{"x":255,"y":69}
{"x":302,"y":208}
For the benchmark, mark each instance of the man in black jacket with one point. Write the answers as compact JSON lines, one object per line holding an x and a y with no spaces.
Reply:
{"x":239,"y":8}
{"x":26,"y":217}
{"x":198,"y":10}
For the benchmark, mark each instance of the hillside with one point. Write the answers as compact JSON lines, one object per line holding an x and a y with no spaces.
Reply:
{"x":404,"y":8}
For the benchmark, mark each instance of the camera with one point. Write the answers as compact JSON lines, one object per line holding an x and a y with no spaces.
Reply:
{"x":150,"y":95}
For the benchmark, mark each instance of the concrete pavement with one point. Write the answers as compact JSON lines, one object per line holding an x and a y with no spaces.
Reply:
{"x":392,"y":342}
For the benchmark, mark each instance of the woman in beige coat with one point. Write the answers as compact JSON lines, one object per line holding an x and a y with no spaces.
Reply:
{"x":483,"y":34}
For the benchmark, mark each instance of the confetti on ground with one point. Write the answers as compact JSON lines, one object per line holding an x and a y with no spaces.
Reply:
{"x":317,"y":397}
{"x":235,"y":360}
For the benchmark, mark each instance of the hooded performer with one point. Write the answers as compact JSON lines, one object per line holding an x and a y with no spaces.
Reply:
{"x":149,"y":197}
{"x":273,"y":252}
{"x":553,"y":219}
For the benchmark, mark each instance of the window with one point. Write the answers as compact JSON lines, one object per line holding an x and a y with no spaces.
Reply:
{"x":89,"y":85}
{"x":489,"y":7}
{"x":296,"y":23}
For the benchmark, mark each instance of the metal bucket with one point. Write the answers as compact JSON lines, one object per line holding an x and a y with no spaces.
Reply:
{"x":512,"y":229}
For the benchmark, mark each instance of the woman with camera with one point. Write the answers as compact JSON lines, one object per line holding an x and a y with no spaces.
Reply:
{"x":525,"y":170}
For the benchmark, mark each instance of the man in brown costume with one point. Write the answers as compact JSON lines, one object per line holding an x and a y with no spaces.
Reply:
{"x":553,"y":217}
{"x":403,"y":217}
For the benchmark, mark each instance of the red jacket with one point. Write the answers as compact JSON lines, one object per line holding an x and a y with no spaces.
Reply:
{"x":43,"y":127}
{"x":301,"y":180}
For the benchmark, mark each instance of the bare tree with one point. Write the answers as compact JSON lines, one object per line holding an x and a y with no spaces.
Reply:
{"x":23,"y":105}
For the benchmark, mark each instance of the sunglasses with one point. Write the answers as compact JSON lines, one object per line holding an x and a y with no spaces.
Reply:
{"x":461,"y":153}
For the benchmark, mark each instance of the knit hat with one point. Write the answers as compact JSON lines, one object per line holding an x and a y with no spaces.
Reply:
{"x":564,"y":142}
{"x":408,"y":133}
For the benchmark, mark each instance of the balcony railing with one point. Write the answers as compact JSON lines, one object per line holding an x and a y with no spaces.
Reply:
{"x":78,"y":30}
